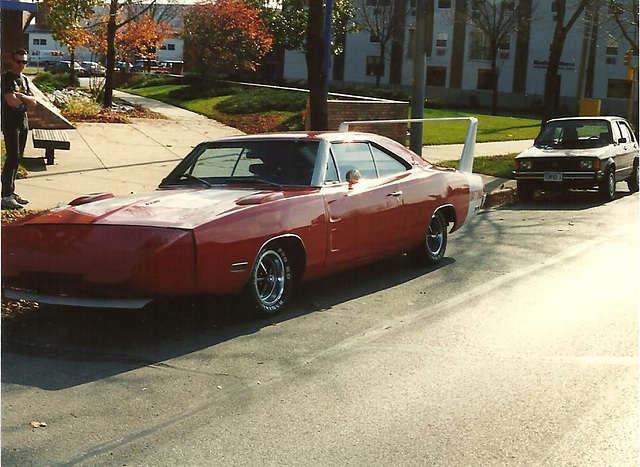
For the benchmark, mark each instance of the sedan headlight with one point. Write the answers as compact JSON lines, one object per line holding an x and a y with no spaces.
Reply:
{"x":589,"y":164}
{"x":524,"y":165}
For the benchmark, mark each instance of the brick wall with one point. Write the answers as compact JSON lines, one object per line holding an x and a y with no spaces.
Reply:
{"x":341,"y":111}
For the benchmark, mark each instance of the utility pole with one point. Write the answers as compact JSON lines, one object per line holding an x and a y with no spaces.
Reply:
{"x":419,"y":74}
{"x":631,"y":76}
{"x":327,"y":39}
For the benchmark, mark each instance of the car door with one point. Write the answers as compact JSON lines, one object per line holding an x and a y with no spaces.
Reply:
{"x":628,"y":151}
{"x":366,"y":218}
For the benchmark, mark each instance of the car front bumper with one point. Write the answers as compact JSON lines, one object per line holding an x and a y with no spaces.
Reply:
{"x":568,"y":179}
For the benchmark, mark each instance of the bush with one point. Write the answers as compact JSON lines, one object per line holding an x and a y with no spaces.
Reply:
{"x":263,"y":100}
{"x":49,"y":82}
{"x":196,"y":91}
{"x":144,"y":80}
{"x":382,"y":93}
{"x":79,"y":107}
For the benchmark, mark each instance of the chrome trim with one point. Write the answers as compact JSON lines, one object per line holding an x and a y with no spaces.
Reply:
{"x":565,"y":175}
{"x":455,"y":222}
{"x":274,"y":239}
{"x":86,"y":302}
{"x":239,"y":267}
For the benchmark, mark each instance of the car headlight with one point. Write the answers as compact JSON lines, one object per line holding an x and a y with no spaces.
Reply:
{"x":586,"y":164}
{"x":524,"y":165}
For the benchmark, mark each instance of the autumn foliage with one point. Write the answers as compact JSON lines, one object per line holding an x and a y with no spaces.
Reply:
{"x":226,"y":36}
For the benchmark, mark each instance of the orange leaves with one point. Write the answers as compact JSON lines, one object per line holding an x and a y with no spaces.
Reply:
{"x":227,"y":35}
{"x":142,"y":37}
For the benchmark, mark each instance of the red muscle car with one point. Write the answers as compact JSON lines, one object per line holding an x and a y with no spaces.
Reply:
{"x":253,"y":213}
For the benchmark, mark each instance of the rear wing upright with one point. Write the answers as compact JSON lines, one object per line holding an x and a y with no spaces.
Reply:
{"x":468,"y":151}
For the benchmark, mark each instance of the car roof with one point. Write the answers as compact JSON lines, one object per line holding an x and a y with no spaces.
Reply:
{"x":608,"y":118}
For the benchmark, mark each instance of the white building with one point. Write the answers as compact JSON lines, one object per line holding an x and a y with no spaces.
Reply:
{"x":458,"y":72}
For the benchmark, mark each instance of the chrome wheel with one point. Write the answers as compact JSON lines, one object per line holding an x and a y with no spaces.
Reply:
{"x":435,"y":235}
{"x":271,"y":280}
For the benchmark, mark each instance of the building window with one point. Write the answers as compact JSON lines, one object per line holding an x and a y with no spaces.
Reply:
{"x":163,"y":46}
{"x":619,"y":88}
{"x":43,"y":42}
{"x":479,"y":46}
{"x":436,"y":76}
{"x":441,"y":39}
{"x":171,"y":47}
{"x":444,"y":4}
{"x":504,"y":47}
{"x":485,"y":79}
{"x":36,"y":42}
{"x":612,"y":47}
{"x":374,"y":63}
{"x":611,"y":60}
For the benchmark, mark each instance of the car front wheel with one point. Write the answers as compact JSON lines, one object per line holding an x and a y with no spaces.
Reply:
{"x":633,"y":181}
{"x":432,"y":249}
{"x":608,"y":185}
{"x":271,"y":281}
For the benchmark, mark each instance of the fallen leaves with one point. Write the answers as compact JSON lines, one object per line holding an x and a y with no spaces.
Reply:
{"x":38,"y":424}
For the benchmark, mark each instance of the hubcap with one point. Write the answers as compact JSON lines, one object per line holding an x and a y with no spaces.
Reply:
{"x":612,"y":184}
{"x":270,"y":277}
{"x":435,"y":235}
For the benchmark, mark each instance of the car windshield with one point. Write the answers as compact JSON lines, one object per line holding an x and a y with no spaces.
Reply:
{"x":273,"y":162}
{"x":574,"y":134}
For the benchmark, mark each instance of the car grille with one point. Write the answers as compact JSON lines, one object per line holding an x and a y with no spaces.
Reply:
{"x":556,"y":164}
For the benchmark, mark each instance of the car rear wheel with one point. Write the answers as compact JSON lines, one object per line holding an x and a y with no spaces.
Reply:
{"x":633,"y":181}
{"x":271,"y":281}
{"x":608,"y":185}
{"x":525,"y":190}
{"x":432,"y":249}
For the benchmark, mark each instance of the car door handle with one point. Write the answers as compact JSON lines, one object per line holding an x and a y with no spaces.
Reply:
{"x":395,"y":193}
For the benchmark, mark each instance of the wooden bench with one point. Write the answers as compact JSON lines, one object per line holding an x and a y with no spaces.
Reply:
{"x":50,"y":140}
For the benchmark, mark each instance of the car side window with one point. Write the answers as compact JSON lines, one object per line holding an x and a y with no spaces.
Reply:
{"x":350,"y":155}
{"x":626,"y":132}
{"x":386,"y":163}
{"x":331,"y":175}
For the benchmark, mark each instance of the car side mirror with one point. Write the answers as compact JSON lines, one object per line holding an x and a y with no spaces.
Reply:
{"x":353,"y":177}
{"x":622,"y":140}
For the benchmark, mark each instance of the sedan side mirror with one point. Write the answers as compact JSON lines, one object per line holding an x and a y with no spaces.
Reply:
{"x":353,"y":177}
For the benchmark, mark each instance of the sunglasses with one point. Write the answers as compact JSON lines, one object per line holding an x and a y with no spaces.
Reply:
{"x":24,"y":62}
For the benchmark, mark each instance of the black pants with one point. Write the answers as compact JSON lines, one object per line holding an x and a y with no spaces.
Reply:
{"x":15,"y":139}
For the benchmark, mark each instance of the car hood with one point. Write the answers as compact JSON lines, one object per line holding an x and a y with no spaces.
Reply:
{"x":539,"y":152}
{"x":184,"y":208}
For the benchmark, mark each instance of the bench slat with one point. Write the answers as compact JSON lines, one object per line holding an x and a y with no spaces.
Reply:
{"x":54,"y":139}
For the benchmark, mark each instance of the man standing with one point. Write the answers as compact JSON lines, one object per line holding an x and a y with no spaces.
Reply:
{"x":16,"y":97}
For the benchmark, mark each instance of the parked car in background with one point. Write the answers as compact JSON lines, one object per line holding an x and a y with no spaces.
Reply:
{"x":64,"y":66}
{"x":579,"y":153}
{"x":93,"y":68}
{"x":152,"y":66}
{"x":252,"y":214}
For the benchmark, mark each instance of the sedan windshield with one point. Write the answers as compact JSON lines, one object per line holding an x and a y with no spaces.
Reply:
{"x":574,"y":134}
{"x":270,"y":163}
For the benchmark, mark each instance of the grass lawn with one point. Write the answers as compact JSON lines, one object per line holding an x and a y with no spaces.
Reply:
{"x":490,"y":128}
{"x":497,"y":166}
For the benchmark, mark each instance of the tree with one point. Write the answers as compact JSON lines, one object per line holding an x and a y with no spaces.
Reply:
{"x":316,"y":70}
{"x":625,"y":15}
{"x":65,"y":18}
{"x":226,"y":36}
{"x":497,"y":19}
{"x":380,"y":18}
{"x":555,"y":53}
{"x":142,"y":38}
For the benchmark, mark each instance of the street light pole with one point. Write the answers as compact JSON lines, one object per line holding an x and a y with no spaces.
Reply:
{"x":419,"y":73}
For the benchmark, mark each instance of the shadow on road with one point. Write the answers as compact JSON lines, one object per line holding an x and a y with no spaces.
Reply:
{"x":564,"y":201}
{"x":54,"y":348}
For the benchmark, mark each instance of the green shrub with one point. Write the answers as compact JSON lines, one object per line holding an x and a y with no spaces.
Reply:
{"x":49,"y":82}
{"x":81,"y":107}
{"x":144,"y":80}
{"x":196,"y":91}
{"x":263,"y":100}
{"x":382,"y":93}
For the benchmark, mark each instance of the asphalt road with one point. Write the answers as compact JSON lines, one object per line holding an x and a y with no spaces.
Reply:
{"x":520,"y":349}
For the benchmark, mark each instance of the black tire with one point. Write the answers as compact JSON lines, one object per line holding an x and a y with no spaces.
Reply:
{"x":607,"y":186}
{"x":432,"y":249}
{"x":632,"y":181}
{"x":525,"y":190}
{"x":271,"y":280}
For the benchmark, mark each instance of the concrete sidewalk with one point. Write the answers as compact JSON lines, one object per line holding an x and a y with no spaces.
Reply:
{"x":126,"y":158}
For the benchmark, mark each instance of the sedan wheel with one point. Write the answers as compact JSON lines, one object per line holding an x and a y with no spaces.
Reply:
{"x":608,"y":185}
{"x":633,"y":181}
{"x":271,"y":281}
{"x":435,"y":243}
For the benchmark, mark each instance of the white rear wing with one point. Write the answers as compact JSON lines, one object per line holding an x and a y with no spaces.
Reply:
{"x":468,"y":151}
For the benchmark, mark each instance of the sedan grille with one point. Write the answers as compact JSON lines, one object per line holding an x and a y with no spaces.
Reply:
{"x":556,"y":164}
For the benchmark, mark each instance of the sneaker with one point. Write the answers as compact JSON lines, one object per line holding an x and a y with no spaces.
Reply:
{"x":9,"y":203}
{"x":20,"y":199}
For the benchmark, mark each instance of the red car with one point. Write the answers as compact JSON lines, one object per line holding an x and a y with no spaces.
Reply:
{"x":252,"y":213}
